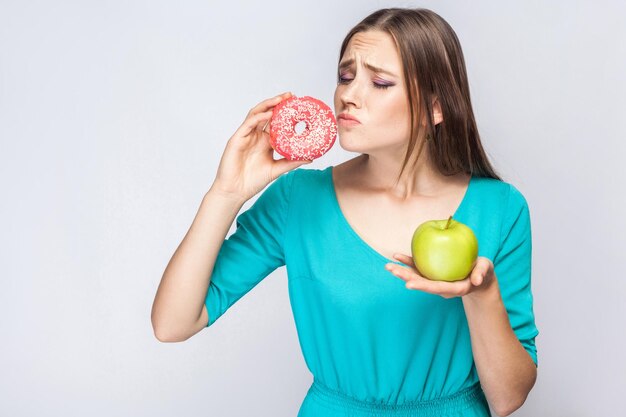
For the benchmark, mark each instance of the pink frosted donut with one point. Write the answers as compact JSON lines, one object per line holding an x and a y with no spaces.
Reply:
{"x":317,"y":137}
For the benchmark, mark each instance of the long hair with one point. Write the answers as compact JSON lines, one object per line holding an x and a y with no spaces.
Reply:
{"x":434,"y":67}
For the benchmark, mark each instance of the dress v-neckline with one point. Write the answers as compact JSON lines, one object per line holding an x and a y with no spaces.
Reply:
{"x":367,"y":246}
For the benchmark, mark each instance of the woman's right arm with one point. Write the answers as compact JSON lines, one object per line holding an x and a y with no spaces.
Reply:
{"x":247,"y":166}
{"x":178,"y":311}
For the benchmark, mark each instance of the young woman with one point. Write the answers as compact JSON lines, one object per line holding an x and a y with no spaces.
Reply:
{"x":378,"y":338}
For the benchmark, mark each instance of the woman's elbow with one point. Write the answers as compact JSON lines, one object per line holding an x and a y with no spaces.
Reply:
{"x":508,"y":404}
{"x":181,"y":334}
{"x":172,"y":337}
{"x":505,"y":408}
{"x":503,"y":412}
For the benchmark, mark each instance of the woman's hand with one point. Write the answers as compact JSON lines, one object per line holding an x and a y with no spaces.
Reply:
{"x":480,"y":279}
{"x":248,"y":165}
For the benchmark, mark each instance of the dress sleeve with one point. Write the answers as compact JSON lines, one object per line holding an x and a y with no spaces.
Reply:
{"x":512,"y":265}
{"x":253,"y":251}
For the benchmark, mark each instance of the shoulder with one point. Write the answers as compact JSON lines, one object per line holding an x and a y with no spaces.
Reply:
{"x":309,"y":178}
{"x":498,"y":194}
{"x":500,"y":205}
{"x":516,"y":199}
{"x":285,"y":183}
{"x":512,"y":210}
{"x":294,"y":188}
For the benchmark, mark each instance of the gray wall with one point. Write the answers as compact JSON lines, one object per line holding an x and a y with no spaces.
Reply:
{"x":114,"y":116}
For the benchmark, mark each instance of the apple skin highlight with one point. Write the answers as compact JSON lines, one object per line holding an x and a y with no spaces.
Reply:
{"x":444,"y":250}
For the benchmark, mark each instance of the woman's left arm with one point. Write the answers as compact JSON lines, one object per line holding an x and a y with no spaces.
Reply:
{"x":506,"y":371}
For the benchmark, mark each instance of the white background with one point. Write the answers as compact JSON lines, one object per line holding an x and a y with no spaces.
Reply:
{"x":113,"y":119}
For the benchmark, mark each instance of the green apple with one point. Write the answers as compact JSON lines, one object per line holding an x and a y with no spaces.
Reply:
{"x":444,"y":250}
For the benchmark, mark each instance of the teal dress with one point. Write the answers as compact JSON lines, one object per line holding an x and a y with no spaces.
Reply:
{"x":374,"y":347}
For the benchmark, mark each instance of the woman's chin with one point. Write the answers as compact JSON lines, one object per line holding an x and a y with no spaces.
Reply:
{"x":350,"y":145}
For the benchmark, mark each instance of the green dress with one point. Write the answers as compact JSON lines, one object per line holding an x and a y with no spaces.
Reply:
{"x":374,"y":347}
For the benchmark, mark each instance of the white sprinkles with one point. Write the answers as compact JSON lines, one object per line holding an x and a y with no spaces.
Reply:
{"x":316,"y":139}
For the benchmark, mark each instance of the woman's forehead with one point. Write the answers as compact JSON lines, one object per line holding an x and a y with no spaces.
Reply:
{"x":373,"y":47}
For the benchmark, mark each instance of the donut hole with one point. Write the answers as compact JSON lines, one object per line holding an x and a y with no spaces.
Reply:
{"x":300,"y":127}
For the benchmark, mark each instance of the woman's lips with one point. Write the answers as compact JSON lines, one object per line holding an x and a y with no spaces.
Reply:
{"x":347,"y":122}
{"x":346,"y":119}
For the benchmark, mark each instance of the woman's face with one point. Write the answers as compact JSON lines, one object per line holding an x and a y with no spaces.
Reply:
{"x":371,"y":88}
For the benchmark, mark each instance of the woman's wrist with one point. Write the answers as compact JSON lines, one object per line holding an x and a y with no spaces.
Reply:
{"x":486,"y":293}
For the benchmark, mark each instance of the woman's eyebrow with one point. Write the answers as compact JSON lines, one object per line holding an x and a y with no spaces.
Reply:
{"x":350,"y":61}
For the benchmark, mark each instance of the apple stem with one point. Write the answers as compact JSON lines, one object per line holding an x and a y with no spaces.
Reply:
{"x":448,"y":223}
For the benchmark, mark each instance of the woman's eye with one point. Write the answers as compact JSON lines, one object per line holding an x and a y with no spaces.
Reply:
{"x":344,"y":80}
{"x":383,"y":86}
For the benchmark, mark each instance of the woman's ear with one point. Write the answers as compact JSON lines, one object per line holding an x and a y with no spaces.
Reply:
{"x":437,"y":115}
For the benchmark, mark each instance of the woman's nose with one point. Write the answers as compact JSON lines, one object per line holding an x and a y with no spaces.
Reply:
{"x":351,"y":94}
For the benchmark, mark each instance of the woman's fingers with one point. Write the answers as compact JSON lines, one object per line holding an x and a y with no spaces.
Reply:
{"x":403,"y":272}
{"x":265,"y":127}
{"x":415,"y":281}
{"x":405,"y":259}
{"x":252,"y":122}
{"x":259,"y":116}
{"x":269,"y":103}
{"x":442,"y":288}
{"x":481,"y":270}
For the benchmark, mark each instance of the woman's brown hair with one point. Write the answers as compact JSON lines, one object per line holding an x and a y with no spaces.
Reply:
{"x":434,"y":67}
